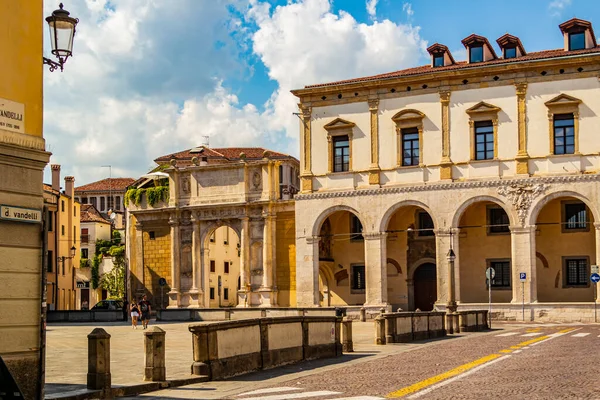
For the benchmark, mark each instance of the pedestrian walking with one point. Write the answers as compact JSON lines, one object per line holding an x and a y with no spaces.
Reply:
{"x":145,"y":310}
{"x":135,"y":313}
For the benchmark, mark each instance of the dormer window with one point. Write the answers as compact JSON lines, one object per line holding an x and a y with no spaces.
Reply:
{"x":578,"y":34}
{"x":479,"y":49}
{"x":577,"y":41}
{"x":476,"y":54}
{"x":440,"y":55}
{"x":510,"y":52}
{"x":511,"y":46}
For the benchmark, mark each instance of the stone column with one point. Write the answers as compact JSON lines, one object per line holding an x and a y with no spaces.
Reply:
{"x":374,"y":168}
{"x":195,"y":294}
{"x":154,"y":355}
{"x":267,"y":277}
{"x":523,"y":260}
{"x":98,"y":376}
{"x":307,"y":272}
{"x":442,"y":246}
{"x":139,"y":260}
{"x":375,"y":268}
{"x":174,"y":295}
{"x":243,"y":296}
{"x":597,"y":226}
{"x":522,"y":156}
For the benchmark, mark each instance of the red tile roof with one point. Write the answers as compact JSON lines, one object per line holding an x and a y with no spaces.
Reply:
{"x":48,"y":188}
{"x":107,"y":184}
{"x":425,"y":69}
{"x":89,"y":213}
{"x":221,"y":155}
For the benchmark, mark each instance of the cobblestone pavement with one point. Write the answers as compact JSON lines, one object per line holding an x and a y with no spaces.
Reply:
{"x":519,"y":362}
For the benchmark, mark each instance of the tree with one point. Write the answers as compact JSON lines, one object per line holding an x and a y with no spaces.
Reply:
{"x":114,"y":281}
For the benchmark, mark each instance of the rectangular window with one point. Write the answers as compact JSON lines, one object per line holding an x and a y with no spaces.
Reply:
{"x":575,"y":216}
{"x":50,"y":221}
{"x":85,"y":236}
{"x":341,"y":153}
{"x":225,"y":294}
{"x":501,"y":274}
{"x":576,"y":272}
{"x":475,"y":54}
{"x":212,"y":266}
{"x":50,"y":267}
{"x":62,"y":230}
{"x":118,"y":203}
{"x":358,"y":277}
{"x":212,"y":293}
{"x":84,"y":200}
{"x":74,"y":234}
{"x":564,"y":134}
{"x":438,"y":60}
{"x":63,"y":266}
{"x":355,"y":228}
{"x":94,"y":202}
{"x":110,"y":202}
{"x":425,"y":225}
{"x":74,"y":211}
{"x":102,"y":203}
{"x":152,"y":235}
{"x":84,"y":253}
{"x":62,"y":205}
{"x":226,"y":237}
{"x":410,"y":146}
{"x":510,"y":52}
{"x":497,"y":220}
{"x":484,"y":140}
{"x":577,"y":41}
{"x":226,"y":267}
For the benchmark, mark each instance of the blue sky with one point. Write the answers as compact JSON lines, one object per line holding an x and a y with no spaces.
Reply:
{"x":153,"y":77}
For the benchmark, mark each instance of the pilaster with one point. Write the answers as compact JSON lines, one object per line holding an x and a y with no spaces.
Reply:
{"x":443,"y":238}
{"x":597,"y":227}
{"x":375,"y":268}
{"x":244,"y":263}
{"x":174,"y":294}
{"x":523,"y":259}
{"x":522,"y":155}
{"x":374,"y":169}
{"x":266,"y":289}
{"x":307,"y":272}
{"x":446,"y":162}
{"x":139,"y":259}
{"x":306,"y":159}
{"x":196,"y":294}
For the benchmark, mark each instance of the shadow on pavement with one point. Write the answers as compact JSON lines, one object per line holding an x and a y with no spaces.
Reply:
{"x":56,"y":388}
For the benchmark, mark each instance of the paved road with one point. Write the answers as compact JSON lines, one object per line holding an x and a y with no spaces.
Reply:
{"x":527,"y":362}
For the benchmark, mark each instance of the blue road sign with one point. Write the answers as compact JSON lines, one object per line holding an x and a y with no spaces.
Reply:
{"x":522,"y":276}
{"x":595,"y":278}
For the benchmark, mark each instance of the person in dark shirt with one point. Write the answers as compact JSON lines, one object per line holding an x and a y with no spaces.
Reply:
{"x":145,"y":309}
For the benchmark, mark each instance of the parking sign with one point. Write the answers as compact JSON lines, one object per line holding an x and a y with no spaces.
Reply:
{"x":523,"y":276}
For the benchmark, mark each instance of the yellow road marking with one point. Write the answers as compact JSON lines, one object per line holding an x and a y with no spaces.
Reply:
{"x":537,"y":339}
{"x":515,"y":347}
{"x":505,"y":351}
{"x":567,"y":330}
{"x":435,"y":379}
{"x":533,"y":330}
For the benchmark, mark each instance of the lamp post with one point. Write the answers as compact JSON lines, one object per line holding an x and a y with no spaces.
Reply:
{"x":62,"y":31}
{"x":452,"y":325}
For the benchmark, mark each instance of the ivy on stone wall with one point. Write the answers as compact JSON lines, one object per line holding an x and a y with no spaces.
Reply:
{"x":153,"y":195}
{"x":96,"y":271}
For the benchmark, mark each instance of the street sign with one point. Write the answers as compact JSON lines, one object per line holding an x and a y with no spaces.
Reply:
{"x":162,"y":282}
{"x":20,"y":214}
{"x":490,"y":271}
{"x":595,"y":278}
{"x":523,"y":276}
{"x":595,"y":269}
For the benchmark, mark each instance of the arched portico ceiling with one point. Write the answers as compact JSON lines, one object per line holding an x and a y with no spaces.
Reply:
{"x":477,"y":199}
{"x":209,"y":228}
{"x":385,"y":220}
{"x":541,"y":202}
{"x":329,"y":211}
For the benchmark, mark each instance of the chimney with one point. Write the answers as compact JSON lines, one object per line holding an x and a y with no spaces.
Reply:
{"x":55,"y":176}
{"x":70,"y":186}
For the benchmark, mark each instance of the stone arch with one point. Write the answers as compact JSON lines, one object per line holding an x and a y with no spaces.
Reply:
{"x":208,"y":228}
{"x":539,"y":205}
{"x":390,"y":212}
{"x":416,"y":265}
{"x":316,"y":230}
{"x":396,"y":265}
{"x":476,"y":199}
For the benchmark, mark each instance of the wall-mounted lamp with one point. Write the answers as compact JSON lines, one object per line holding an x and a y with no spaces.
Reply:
{"x":62,"y":31}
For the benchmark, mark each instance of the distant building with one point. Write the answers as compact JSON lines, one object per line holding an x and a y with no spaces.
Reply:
{"x":106,"y":195}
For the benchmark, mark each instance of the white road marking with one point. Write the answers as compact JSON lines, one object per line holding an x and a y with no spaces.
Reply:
{"x":271,"y":390}
{"x":517,"y":351}
{"x":580,"y":335}
{"x":523,"y":348}
{"x":533,"y":334}
{"x":508,"y":334}
{"x":457,"y":377}
{"x":294,"y":395}
{"x":359,"y":398}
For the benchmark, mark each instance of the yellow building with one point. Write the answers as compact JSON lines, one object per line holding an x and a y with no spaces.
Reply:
{"x":414,"y":182}
{"x":185,"y":224}
{"x":22,"y":159}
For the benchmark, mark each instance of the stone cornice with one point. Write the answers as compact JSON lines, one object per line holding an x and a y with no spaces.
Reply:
{"x":450,"y":186}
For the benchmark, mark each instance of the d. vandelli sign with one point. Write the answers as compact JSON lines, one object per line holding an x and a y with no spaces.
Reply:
{"x":18,"y":214}
{"x":12,"y":116}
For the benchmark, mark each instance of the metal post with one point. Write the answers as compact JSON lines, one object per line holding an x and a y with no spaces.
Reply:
{"x":595,"y":301}
{"x":490,"y":299}
{"x":523,"y":298}
{"x":162,"y":300}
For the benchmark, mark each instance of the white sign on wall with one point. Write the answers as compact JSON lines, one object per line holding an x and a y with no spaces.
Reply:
{"x":19,"y":214}
{"x":12,"y":116}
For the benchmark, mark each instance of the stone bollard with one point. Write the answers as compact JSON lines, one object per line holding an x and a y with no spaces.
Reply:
{"x":379,"y":330}
{"x":154,"y":355}
{"x":449,"y":323}
{"x":98,"y":377}
{"x":363,"y":314}
{"x":347,"y":345}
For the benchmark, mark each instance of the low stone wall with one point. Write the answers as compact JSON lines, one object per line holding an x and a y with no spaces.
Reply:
{"x":538,"y":312}
{"x":234,"y":314}
{"x":229,"y":348}
{"x":401,"y":327}
{"x":472,"y":321}
{"x":85,"y":316}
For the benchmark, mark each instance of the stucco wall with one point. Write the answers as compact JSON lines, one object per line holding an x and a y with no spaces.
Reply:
{"x":286,"y":259}
{"x":220,"y":252}
{"x":157,"y":262}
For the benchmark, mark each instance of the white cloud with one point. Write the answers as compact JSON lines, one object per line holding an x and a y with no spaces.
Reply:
{"x":372,"y":8}
{"x":407,"y":8}
{"x":556,"y":7}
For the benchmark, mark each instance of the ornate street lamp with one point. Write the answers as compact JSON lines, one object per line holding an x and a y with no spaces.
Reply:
{"x":452,"y":317}
{"x":62,"y":31}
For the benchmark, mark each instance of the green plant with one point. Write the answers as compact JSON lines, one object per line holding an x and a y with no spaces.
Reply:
{"x":137,"y":197}
{"x":157,"y":194}
{"x":114,"y":281}
{"x":84,"y":263}
{"x":116,"y":237}
{"x":96,"y":271}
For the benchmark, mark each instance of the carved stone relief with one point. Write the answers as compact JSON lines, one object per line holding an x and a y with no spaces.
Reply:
{"x":185,"y":184}
{"x":521,"y":197}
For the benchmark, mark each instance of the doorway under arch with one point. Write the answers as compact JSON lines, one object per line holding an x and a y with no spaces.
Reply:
{"x":425,"y":287}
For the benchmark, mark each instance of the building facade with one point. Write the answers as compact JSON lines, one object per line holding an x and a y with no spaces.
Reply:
{"x":494,"y":159}
{"x":106,"y":196}
{"x":23,"y":157}
{"x":214,"y":198}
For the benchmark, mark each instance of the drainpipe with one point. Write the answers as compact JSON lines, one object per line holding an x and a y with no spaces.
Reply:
{"x":43,"y":304}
